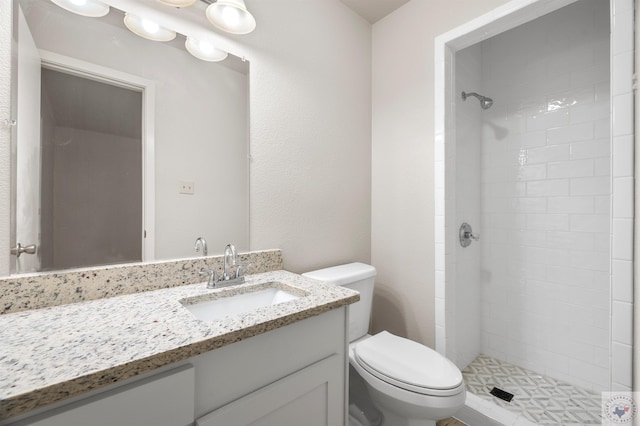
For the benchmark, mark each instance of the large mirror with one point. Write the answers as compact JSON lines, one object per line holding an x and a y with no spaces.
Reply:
{"x":126,"y":149}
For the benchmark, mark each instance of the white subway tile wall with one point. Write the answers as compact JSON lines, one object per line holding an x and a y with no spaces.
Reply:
{"x":546,"y":186}
{"x":622,"y":206}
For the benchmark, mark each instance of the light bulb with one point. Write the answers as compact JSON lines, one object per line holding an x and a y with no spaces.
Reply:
{"x":147,"y":28}
{"x":150,"y":26}
{"x":91,"y":8}
{"x":231,"y":16}
{"x":206,"y":48}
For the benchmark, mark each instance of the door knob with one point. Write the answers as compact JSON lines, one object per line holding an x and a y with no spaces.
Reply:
{"x":19,"y":249}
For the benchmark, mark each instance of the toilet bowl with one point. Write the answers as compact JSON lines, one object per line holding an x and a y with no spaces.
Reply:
{"x":357,"y":416}
{"x":411,"y":384}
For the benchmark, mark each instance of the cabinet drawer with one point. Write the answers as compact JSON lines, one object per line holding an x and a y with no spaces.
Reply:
{"x":166,"y":399}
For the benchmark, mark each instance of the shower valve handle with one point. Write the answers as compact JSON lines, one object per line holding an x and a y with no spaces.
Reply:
{"x":466,"y":235}
{"x":471,"y":235}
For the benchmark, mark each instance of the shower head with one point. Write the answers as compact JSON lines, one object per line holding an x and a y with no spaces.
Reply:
{"x":485,"y":103}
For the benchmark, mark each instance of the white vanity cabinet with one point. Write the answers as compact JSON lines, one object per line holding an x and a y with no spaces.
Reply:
{"x":292,"y":375}
{"x":307,"y":397}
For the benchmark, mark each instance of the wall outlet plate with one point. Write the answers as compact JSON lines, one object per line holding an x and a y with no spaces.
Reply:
{"x":186,"y":187}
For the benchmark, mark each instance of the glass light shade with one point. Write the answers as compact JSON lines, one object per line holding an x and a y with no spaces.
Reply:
{"x":231,"y":16}
{"x":147,"y":28}
{"x":204,"y":50}
{"x":178,"y":3}
{"x":91,"y":8}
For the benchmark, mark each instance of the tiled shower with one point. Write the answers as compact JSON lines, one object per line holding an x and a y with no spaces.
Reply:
{"x":545,"y":177}
{"x":543,"y":183}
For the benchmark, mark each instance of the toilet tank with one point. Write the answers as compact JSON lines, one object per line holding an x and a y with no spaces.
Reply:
{"x":356,"y":276}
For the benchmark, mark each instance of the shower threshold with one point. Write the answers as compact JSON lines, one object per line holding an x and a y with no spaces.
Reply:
{"x":537,"y":399}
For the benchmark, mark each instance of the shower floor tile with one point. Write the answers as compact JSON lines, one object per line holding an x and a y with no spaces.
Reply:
{"x":540,"y":399}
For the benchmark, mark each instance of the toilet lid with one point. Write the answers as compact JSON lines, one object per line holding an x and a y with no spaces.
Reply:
{"x":405,"y":362}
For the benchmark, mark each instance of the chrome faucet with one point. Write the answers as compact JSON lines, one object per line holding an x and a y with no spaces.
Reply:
{"x":230,"y":253}
{"x":201,"y":243}
{"x":230,"y":261}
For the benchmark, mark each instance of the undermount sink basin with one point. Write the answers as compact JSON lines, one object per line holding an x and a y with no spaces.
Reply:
{"x":215,"y":306}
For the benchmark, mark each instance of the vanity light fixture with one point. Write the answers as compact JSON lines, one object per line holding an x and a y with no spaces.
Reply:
{"x":90,"y":8}
{"x":231,"y":16}
{"x":178,"y":3}
{"x":204,"y":50}
{"x":147,"y":28}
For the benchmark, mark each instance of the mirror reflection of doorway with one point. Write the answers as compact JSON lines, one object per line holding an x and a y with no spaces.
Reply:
{"x":91,"y":174}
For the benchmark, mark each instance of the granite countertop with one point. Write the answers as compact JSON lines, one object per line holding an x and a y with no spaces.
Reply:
{"x":50,"y":354}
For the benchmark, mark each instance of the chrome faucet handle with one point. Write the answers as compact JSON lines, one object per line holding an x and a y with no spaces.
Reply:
{"x":213,"y":277}
{"x":240,"y":270}
{"x":466,"y":235}
{"x":474,"y":237}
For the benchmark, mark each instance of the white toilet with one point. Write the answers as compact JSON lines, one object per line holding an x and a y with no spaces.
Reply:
{"x":411,"y":384}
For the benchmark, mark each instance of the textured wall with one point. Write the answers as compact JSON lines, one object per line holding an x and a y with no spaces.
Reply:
{"x":402,"y":161}
{"x":310,"y":132}
{"x":5,"y":133}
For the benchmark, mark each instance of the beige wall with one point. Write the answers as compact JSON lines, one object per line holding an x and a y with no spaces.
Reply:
{"x":402,"y":238}
{"x":310,"y":132}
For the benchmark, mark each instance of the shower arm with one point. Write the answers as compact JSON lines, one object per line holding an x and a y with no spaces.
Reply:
{"x":485,"y":103}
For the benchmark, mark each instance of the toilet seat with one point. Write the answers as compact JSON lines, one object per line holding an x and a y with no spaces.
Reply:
{"x":408,"y":365}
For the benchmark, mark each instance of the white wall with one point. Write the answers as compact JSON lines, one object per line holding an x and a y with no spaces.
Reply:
{"x":546,"y":195}
{"x":5,"y":132}
{"x":310,"y":132}
{"x":402,"y":239}
{"x":632,"y":269}
{"x":27,"y":164}
{"x":95,"y":171}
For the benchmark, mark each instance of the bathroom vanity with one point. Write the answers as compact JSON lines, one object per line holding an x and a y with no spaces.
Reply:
{"x":145,"y":359}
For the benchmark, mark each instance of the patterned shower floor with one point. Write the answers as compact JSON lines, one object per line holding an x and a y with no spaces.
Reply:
{"x":540,"y":399}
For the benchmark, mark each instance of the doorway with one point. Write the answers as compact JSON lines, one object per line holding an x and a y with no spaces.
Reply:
{"x":91,"y":172}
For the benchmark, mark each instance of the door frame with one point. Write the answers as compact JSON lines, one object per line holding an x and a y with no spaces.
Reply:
{"x":68,"y":65}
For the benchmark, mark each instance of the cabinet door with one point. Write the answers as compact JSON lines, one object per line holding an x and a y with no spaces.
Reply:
{"x":165,"y":399}
{"x":309,"y":397}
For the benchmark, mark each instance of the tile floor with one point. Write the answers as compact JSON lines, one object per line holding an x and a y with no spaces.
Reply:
{"x":450,"y":422}
{"x":540,"y":399}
